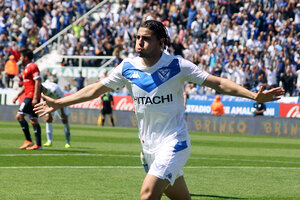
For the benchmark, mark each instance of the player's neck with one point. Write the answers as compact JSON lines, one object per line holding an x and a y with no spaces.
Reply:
{"x":149,"y":62}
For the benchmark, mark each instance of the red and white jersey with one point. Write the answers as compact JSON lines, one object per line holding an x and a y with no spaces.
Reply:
{"x":30,"y":74}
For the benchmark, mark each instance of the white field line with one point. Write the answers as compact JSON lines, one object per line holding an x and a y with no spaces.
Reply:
{"x":139,"y":167}
{"x":137,"y":156}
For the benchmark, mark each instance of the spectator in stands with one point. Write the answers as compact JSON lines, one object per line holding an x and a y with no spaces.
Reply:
{"x":288,"y":80}
{"x":11,"y":70}
{"x":191,"y":88}
{"x":271,"y":77}
{"x":280,"y":66}
{"x":217,"y":107}
{"x":44,"y":35}
{"x":298,"y":78}
{"x":263,"y":29}
{"x":67,"y":88}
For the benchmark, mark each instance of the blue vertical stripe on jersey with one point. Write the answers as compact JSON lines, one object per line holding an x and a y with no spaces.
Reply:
{"x":180,"y":146}
{"x":150,"y":82}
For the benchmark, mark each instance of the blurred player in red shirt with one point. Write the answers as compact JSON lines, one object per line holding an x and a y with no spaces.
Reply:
{"x":32,"y":85}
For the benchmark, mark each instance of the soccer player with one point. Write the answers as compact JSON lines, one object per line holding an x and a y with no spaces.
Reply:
{"x":106,"y":107}
{"x":51,"y":89}
{"x":32,"y":84}
{"x":155,"y":81}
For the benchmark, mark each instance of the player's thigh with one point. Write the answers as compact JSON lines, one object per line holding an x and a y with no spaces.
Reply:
{"x":26,"y":108}
{"x":34,"y":121}
{"x":179,"y":190}
{"x":153,"y":187}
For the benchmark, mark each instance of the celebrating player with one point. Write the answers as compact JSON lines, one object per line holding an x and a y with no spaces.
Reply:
{"x":155,"y":81}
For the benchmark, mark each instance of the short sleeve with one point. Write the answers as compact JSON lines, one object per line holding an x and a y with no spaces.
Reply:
{"x":192,"y":72}
{"x":35,"y":71}
{"x":115,"y":79}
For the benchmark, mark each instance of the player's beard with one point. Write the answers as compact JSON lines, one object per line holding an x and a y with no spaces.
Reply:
{"x":142,"y":55}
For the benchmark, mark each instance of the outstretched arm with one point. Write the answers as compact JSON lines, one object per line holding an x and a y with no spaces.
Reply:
{"x":226,"y":86}
{"x":89,"y":92}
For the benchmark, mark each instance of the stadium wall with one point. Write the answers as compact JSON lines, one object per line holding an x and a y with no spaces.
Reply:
{"x":233,"y":124}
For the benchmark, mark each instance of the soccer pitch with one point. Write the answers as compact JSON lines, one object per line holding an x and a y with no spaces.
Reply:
{"x":104,"y":164}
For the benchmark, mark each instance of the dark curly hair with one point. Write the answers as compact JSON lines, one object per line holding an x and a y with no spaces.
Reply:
{"x":158,"y":29}
{"x":27,"y":53}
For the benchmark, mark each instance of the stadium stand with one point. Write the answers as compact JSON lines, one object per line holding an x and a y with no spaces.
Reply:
{"x":253,"y":43}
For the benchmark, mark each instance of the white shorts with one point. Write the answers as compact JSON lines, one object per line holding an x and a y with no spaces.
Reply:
{"x":168,"y":161}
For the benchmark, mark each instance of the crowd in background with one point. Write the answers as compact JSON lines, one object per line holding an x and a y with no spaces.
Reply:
{"x":252,"y":42}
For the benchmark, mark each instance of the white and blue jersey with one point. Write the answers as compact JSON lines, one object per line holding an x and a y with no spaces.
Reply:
{"x":157,"y":92}
{"x":54,"y":91}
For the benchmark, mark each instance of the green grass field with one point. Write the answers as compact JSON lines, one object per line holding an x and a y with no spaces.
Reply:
{"x":104,"y":164}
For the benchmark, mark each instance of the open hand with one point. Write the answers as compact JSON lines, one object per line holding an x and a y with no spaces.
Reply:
{"x":269,"y":95}
{"x":46,"y":107}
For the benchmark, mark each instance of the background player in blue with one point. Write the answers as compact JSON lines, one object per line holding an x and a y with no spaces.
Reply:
{"x":155,"y":81}
{"x":260,"y":108}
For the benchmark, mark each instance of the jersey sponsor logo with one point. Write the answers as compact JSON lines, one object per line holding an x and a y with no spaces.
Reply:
{"x":154,"y":100}
{"x":149,"y":82}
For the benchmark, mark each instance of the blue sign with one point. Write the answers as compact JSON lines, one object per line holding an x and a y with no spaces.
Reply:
{"x":232,"y":105}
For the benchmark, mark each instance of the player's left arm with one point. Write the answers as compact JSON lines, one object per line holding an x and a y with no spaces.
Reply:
{"x":228,"y":87}
{"x":37,"y":91}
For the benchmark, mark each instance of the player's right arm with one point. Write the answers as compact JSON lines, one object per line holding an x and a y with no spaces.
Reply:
{"x":18,"y":95}
{"x":87,"y":93}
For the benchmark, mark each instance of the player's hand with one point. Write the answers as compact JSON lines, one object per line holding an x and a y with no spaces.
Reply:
{"x":15,"y":99}
{"x":269,"y":95}
{"x":34,"y":101}
{"x":46,"y":107}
